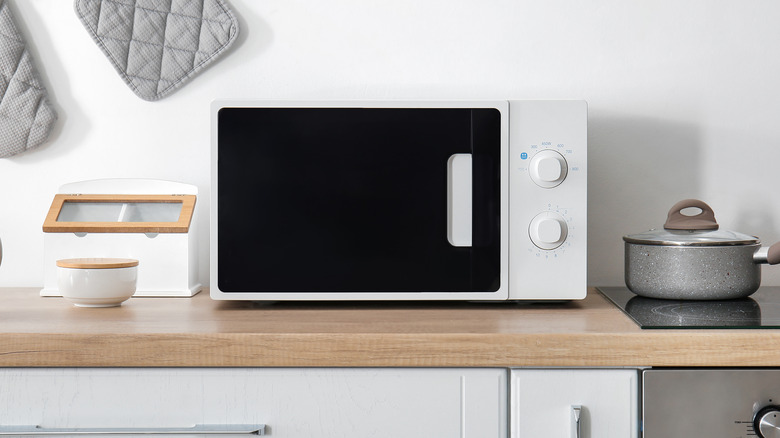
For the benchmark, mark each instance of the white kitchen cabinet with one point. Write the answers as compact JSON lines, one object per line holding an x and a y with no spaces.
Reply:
{"x":542,"y":401}
{"x":291,"y":402}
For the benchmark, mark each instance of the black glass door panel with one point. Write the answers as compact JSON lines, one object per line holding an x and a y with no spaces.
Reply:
{"x":353,"y":199}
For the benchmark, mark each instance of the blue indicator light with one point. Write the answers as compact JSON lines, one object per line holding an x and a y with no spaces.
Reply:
{"x":523,"y":156}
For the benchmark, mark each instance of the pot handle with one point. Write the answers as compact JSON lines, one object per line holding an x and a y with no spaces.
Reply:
{"x":773,"y":256}
{"x":769,"y":255}
{"x":705,"y":220}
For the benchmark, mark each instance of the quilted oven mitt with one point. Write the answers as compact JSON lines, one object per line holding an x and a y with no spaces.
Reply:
{"x":157,"y":46}
{"x":26,"y":115}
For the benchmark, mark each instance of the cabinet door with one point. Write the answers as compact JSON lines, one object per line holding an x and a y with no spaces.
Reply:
{"x":289,"y":402}
{"x":542,"y":402}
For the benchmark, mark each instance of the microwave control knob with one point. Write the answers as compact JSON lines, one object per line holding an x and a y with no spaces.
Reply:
{"x":548,"y":230}
{"x":548,"y":168}
{"x":766,"y":424}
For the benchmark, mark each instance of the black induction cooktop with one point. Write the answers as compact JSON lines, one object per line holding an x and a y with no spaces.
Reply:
{"x":760,"y":310}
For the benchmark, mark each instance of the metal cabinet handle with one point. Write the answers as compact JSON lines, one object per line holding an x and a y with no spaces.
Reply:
{"x":576,"y":423}
{"x":210,"y":429}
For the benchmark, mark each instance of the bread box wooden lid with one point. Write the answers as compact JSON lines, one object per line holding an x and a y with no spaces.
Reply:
{"x":121,"y":213}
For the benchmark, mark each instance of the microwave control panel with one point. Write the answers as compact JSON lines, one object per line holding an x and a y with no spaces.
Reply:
{"x":548,"y":199}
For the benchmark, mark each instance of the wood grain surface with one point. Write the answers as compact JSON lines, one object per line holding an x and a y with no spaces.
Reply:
{"x":198,"y":331}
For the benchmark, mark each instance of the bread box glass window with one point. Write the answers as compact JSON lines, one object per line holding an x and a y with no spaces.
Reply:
{"x":119,"y":212}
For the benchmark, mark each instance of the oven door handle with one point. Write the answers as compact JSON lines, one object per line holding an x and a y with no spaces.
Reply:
{"x":205,"y":429}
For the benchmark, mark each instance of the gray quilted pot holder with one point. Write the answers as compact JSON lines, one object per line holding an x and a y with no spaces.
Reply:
{"x":159,"y":45}
{"x":26,"y":115}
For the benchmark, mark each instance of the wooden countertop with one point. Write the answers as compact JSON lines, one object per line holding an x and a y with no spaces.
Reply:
{"x":198,"y":331}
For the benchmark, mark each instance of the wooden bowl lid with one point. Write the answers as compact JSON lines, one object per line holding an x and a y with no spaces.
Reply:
{"x":96,"y":263}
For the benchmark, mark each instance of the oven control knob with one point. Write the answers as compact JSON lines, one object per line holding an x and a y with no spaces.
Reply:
{"x":548,"y":230}
{"x":548,"y":168}
{"x":766,"y":424}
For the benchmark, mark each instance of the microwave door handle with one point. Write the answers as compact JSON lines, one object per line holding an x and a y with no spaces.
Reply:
{"x":199,"y":429}
{"x":459,"y":199}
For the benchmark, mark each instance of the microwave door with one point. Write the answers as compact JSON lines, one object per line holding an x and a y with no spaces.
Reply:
{"x":358,"y":200}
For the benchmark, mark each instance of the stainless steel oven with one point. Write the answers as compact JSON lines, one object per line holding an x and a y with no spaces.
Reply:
{"x":711,"y":403}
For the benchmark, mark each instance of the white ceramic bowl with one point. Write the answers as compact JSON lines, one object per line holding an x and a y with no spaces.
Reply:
{"x":97,"y":282}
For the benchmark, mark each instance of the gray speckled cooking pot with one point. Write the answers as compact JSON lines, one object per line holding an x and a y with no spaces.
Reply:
{"x":690,"y":259}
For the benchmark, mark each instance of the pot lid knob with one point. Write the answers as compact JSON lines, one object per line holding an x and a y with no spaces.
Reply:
{"x":705,"y":220}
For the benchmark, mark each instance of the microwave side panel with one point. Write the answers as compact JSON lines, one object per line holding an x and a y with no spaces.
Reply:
{"x":501,"y":291}
{"x":548,"y":200}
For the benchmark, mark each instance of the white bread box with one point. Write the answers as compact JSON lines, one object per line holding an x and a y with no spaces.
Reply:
{"x":143,"y":219}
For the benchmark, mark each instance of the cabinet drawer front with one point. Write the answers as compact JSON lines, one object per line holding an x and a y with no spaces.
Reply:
{"x":542,"y":402}
{"x":344,"y":402}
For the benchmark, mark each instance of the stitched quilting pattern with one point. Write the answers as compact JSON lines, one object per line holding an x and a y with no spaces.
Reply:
{"x":26,"y":115}
{"x":159,"y":45}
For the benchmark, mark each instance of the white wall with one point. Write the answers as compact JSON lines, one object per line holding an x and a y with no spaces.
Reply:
{"x":683,"y":99}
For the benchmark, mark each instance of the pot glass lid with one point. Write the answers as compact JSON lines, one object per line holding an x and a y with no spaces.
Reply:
{"x":691,"y":238}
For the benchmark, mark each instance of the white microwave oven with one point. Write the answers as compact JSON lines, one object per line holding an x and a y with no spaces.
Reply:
{"x":389,"y":200}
